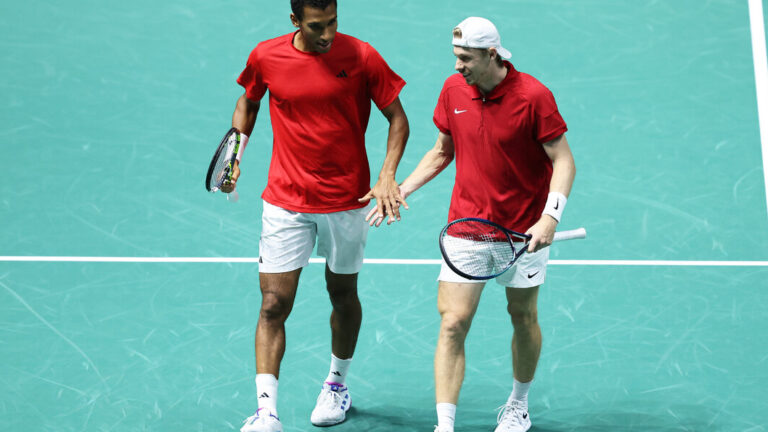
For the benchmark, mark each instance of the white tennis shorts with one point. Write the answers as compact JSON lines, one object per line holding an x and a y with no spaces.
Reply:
{"x":288,"y":238}
{"x":529,"y":271}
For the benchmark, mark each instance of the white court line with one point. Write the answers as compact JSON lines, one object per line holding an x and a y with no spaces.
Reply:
{"x":94,"y":259}
{"x":757,"y":27}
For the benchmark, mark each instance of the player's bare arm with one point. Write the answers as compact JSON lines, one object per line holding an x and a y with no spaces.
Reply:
{"x":386,"y":191}
{"x":432,"y":164}
{"x":563,"y":173}
{"x":245,"y":113}
{"x":243,"y":119}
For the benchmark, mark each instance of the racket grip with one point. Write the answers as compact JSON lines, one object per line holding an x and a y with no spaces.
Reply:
{"x":233,"y":196}
{"x":578,"y":233}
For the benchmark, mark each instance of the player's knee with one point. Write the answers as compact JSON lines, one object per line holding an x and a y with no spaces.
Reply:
{"x":455,"y":326}
{"x":343,"y":299}
{"x":522,"y":316}
{"x":274,"y":308}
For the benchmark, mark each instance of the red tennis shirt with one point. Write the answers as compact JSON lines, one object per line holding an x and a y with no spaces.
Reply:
{"x":320,"y":105}
{"x":502,"y":170}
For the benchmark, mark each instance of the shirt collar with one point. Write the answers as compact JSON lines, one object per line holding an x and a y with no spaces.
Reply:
{"x":500,"y":88}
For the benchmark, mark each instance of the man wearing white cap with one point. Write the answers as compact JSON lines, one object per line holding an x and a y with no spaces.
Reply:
{"x":513,"y":167}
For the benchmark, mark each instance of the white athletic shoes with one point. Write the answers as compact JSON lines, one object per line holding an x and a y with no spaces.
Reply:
{"x":513,"y":417}
{"x":332,"y":405}
{"x":262,"y":421}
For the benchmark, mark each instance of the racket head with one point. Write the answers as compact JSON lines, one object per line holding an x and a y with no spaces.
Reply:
{"x":477,"y":249}
{"x":223,"y":162}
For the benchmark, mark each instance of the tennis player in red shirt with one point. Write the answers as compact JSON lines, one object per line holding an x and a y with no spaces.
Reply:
{"x":321,"y":84}
{"x":513,"y":167}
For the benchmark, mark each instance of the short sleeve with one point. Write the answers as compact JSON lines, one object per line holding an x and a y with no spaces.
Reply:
{"x":384,"y":84}
{"x":251,"y":78}
{"x":548,"y":123}
{"x":440,"y":118}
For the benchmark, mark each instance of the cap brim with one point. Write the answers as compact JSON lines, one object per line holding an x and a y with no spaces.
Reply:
{"x":460,"y":43}
{"x":500,"y":50}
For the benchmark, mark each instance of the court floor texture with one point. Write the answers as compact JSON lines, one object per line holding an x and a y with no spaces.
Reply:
{"x":129,"y":295}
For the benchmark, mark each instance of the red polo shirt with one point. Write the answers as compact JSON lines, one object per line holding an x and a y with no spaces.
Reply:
{"x":319,"y":105}
{"x":502,"y":170}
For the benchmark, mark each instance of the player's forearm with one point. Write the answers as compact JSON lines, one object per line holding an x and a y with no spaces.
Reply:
{"x":396,"y":140}
{"x":432,"y":164}
{"x":563,"y":166}
{"x":244,"y":117}
{"x":563,"y":173}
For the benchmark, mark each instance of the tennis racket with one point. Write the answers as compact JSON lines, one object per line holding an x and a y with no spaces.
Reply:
{"x":479,"y":249}
{"x":223,"y":162}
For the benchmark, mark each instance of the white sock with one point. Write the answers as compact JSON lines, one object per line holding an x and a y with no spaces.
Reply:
{"x":520,"y":391}
{"x":446,"y":414}
{"x":266,"y":387}
{"x":339,"y":368}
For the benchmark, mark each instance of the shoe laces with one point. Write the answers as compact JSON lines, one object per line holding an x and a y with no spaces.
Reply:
{"x":261,"y":413}
{"x":330,"y":397}
{"x":511,"y":413}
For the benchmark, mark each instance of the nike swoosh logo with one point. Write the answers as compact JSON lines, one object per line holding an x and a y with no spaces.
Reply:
{"x":456,"y":111}
{"x":532,"y":275}
{"x":558,"y":204}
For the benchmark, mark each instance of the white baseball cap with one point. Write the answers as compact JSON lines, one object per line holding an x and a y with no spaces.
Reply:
{"x":478,"y":32}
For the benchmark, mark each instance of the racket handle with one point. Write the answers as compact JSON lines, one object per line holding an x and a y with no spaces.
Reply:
{"x":578,"y":233}
{"x":233,"y":196}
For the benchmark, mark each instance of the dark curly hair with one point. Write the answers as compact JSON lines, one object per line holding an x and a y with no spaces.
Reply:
{"x":297,"y":6}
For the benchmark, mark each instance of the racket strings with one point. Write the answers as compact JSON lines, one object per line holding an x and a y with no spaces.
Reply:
{"x":478,"y":249}
{"x":222,"y":170}
{"x":222,"y":167}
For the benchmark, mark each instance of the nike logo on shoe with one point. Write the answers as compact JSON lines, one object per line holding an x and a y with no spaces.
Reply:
{"x":456,"y":111}
{"x":525,"y":416}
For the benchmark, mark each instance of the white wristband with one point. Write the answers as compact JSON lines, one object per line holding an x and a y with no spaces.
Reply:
{"x":243,"y":143}
{"x":555,"y":205}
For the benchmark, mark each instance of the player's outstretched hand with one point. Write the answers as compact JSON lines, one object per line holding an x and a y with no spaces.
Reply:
{"x":388,"y":198}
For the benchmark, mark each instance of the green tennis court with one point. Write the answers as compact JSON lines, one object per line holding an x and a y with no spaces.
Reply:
{"x":111,"y":112}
